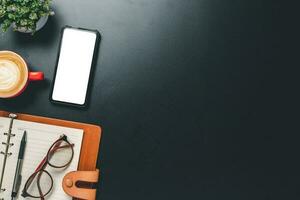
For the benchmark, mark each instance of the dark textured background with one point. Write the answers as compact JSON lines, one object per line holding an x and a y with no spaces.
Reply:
{"x":197,"y":98}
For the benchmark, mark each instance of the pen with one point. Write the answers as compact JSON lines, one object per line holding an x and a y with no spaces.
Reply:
{"x":18,"y":176}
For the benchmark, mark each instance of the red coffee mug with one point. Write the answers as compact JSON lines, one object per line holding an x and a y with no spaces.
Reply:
{"x":14,"y":68}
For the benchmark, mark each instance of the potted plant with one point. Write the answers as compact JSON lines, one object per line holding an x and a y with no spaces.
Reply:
{"x":27,"y":16}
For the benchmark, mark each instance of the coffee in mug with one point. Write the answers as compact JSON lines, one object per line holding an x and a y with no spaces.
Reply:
{"x":14,"y":74}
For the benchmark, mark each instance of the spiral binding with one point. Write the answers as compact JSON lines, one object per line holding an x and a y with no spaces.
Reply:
{"x":9,"y":134}
{"x":7,"y":144}
{"x":6,"y":153}
{"x":10,"y":144}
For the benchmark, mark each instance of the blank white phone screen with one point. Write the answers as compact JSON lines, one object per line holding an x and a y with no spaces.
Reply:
{"x":74,"y":66}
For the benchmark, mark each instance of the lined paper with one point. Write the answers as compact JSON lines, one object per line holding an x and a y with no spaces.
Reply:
{"x":39,"y":139}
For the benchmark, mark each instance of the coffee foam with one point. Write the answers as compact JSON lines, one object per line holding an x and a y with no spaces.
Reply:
{"x":9,"y":75}
{"x":13,"y":74}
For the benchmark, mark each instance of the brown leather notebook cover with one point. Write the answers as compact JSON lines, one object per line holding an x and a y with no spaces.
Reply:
{"x":91,"y":137}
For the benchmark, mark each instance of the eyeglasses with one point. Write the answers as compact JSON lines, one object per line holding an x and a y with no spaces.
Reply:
{"x":59,"y":156}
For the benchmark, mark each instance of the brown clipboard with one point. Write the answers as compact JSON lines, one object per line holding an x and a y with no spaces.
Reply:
{"x":88,"y":154}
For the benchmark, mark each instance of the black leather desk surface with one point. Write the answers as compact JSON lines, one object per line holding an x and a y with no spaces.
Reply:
{"x":193,"y":95}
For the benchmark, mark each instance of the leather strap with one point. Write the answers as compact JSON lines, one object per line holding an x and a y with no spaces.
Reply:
{"x":70,"y":184}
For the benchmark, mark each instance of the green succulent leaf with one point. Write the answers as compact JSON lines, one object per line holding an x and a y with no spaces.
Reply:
{"x":33,"y":16}
{"x":6,"y":24}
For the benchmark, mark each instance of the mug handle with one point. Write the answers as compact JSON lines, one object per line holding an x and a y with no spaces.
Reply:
{"x":36,"y":76}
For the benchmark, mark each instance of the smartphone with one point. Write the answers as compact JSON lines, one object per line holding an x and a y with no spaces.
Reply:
{"x":74,"y":66}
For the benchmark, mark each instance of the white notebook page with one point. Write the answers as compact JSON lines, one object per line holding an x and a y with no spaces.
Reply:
{"x":39,"y":139}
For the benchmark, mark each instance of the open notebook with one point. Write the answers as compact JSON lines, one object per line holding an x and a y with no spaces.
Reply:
{"x":39,"y":139}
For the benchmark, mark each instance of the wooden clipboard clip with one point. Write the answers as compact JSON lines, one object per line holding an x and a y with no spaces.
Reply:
{"x":72,"y":188}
